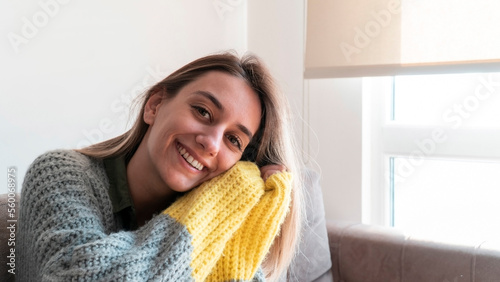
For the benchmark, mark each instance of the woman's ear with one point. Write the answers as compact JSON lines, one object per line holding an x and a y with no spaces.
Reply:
{"x":152,"y":107}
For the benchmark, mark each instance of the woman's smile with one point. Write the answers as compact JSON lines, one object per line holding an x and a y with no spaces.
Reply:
{"x":189,"y":158}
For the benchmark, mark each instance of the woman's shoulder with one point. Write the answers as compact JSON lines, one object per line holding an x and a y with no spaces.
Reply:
{"x":63,"y":172}
{"x":63,"y":159}
{"x":57,"y":163}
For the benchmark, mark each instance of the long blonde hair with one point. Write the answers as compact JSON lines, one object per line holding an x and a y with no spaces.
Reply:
{"x":272,"y":144}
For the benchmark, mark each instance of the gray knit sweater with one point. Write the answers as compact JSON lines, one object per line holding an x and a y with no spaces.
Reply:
{"x":67,"y":230}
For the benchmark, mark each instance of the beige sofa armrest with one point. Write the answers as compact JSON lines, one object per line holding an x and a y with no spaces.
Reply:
{"x":372,"y":253}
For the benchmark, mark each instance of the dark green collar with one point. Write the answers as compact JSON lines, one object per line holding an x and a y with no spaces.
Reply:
{"x":121,"y":200}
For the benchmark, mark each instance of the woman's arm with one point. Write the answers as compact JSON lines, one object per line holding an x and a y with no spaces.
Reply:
{"x":244,"y":253}
{"x":67,"y":231}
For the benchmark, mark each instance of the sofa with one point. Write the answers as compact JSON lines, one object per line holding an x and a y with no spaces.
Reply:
{"x":368,"y":253}
{"x":362,"y":252}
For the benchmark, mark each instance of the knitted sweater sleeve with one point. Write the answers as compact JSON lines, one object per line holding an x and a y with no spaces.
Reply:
{"x":67,"y":233}
{"x":244,"y":253}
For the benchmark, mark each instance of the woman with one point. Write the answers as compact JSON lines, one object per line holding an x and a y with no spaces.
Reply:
{"x":178,"y":196}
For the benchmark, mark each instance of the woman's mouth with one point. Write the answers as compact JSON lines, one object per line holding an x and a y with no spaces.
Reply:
{"x":194,"y":163}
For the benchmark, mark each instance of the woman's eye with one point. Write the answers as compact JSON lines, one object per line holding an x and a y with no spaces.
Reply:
{"x":202,"y":111}
{"x":235,"y":141}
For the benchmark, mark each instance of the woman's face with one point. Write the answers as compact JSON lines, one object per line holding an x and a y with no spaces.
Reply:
{"x":202,"y":131}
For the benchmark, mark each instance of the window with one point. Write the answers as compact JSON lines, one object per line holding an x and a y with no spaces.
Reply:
{"x":434,"y":151}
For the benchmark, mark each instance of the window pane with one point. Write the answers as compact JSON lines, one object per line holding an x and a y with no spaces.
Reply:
{"x":448,"y":99}
{"x":449,"y":200}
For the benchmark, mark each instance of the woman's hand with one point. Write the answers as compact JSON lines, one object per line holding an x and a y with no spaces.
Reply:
{"x":269,"y":170}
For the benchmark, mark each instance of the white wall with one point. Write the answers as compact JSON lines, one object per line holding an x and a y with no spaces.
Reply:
{"x":73,"y":68}
{"x":69,"y":69}
{"x":327,"y":112}
{"x":335,"y":143}
{"x":276,"y":34}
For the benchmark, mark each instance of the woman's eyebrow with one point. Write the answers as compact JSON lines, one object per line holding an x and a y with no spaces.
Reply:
{"x":245,"y":130}
{"x":218,"y":104}
{"x":211,"y":97}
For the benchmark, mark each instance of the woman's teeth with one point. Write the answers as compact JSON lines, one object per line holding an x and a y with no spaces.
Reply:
{"x":194,"y":163}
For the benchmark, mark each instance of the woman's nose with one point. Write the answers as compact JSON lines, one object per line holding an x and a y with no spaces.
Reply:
{"x":211,"y":141}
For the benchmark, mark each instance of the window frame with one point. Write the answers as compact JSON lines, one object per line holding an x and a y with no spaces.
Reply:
{"x":384,"y":139}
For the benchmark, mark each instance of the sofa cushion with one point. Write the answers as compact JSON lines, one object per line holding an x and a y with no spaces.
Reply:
{"x":487,"y":261}
{"x":312,"y":263}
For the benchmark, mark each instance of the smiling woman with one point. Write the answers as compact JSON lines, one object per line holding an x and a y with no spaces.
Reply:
{"x":211,"y":120}
{"x":200,"y":188}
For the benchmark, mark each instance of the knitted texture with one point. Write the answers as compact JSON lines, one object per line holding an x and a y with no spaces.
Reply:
{"x":233,"y":219}
{"x":246,"y":250}
{"x":67,"y":230}
{"x":215,"y":210}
